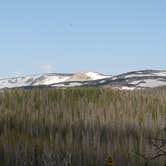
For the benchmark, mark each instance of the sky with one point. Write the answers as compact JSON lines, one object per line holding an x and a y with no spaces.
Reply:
{"x":69,"y":36}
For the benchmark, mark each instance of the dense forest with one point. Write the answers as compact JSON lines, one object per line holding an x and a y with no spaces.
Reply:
{"x":81,"y":127}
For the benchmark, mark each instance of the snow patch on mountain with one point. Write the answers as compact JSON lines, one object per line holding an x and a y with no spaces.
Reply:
{"x":70,"y":84}
{"x":96,"y":76}
{"x":126,"y":88}
{"x":151,"y":83}
{"x":48,"y":80}
{"x":18,"y":81}
{"x":87,"y":76}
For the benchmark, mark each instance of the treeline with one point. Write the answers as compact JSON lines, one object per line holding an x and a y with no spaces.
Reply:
{"x":79,"y":126}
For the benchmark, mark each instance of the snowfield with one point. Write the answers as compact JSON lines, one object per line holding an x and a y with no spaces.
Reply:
{"x":152,"y":83}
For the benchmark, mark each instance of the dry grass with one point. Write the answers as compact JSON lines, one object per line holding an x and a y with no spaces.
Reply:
{"x":79,"y":127}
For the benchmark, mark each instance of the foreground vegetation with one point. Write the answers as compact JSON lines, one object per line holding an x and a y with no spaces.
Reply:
{"x":80,"y":126}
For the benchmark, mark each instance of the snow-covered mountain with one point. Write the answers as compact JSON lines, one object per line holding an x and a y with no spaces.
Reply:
{"x":138,"y":80}
{"x":49,"y":79}
{"x":127,"y":81}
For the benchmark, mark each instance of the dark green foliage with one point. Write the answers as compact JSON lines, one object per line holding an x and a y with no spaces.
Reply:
{"x":79,"y":126}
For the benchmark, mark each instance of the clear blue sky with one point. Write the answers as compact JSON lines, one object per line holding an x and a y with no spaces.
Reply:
{"x":109,"y":36}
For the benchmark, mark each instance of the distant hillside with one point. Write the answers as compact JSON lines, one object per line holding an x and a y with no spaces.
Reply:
{"x":127,"y":81}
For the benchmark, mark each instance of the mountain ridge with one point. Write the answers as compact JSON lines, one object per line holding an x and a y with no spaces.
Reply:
{"x":140,"y":79}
